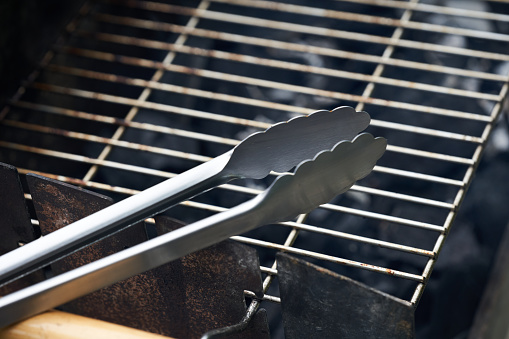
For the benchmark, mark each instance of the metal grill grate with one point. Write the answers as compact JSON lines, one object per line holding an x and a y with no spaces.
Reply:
{"x":139,"y":91}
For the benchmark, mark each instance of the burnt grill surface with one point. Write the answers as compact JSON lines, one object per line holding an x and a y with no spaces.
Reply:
{"x":136,"y":92}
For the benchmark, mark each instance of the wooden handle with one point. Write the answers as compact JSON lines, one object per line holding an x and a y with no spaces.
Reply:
{"x":60,"y":325}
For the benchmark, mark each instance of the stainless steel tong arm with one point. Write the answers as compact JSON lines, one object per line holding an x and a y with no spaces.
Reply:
{"x":315,"y":182}
{"x":124,"y":213}
{"x":279,"y":148}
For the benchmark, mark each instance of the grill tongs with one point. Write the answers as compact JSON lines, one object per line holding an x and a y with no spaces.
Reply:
{"x":279,"y":148}
{"x":332,"y":171}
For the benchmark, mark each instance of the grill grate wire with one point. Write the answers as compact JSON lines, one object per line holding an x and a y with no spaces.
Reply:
{"x":137,"y":66}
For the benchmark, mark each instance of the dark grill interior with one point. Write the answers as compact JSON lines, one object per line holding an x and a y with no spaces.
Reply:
{"x":136,"y":92}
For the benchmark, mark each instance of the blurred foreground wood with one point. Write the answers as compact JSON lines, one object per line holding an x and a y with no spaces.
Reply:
{"x":60,"y":325}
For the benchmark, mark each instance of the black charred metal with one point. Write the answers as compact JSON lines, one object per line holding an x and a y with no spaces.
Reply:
{"x":206,"y":288}
{"x":58,"y":204}
{"x":14,"y":216}
{"x":15,"y":225}
{"x":319,"y":303}
{"x":186,"y":298}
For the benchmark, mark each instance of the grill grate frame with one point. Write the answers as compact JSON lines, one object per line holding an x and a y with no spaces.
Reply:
{"x":165,"y":63}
